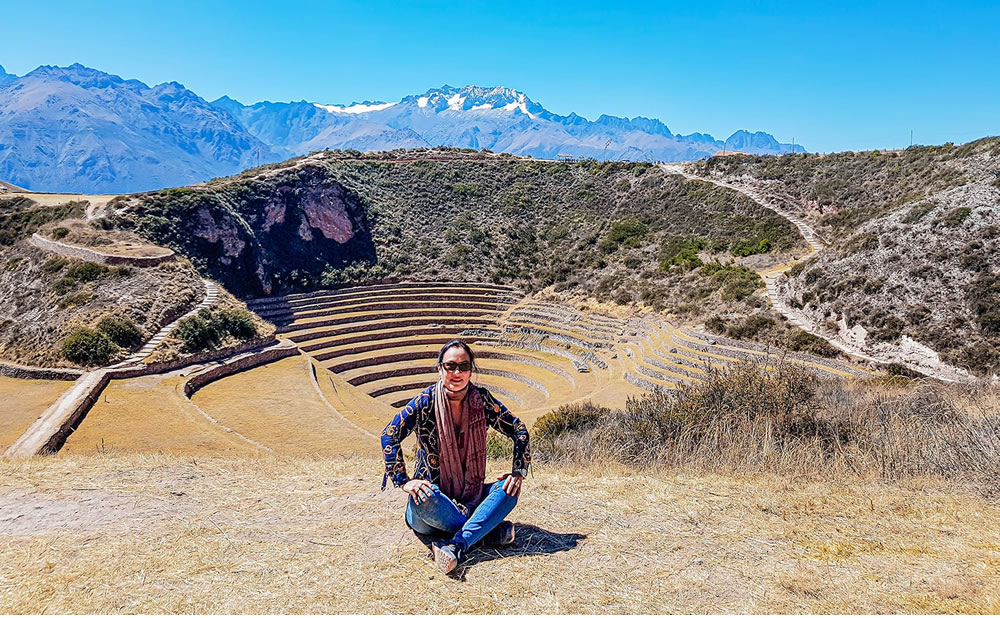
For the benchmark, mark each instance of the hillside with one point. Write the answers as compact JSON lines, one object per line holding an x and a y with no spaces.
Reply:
{"x":103,"y":533}
{"x":913,"y":257}
{"x":620,"y":231}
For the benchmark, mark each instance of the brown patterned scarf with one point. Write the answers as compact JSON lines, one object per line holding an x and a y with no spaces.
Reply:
{"x":463,"y":456}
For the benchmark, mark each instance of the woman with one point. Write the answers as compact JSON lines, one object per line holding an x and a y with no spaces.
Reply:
{"x":447,"y":494}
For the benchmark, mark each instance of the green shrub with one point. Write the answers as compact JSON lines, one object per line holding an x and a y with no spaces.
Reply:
{"x":54,"y":264}
{"x":122,"y":331}
{"x":198,"y":332}
{"x":60,"y":232}
{"x":567,"y":419}
{"x":208,"y":329}
{"x":88,"y":347}
{"x":499,"y":446}
{"x":955,"y":217}
{"x":744,"y":248}
{"x":624,"y":233}
{"x":801,"y":341}
{"x":467,"y":189}
{"x":736,"y":282}
{"x":681,"y":251}
{"x":79,"y":298}
{"x":87,"y":271}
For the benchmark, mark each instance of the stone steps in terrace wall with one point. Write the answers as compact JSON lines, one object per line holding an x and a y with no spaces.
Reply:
{"x":50,"y":431}
{"x":211,"y":296}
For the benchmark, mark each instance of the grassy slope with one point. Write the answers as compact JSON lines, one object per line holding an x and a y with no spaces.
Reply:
{"x":38,"y":311}
{"x":914,"y":241}
{"x":491,"y":218}
{"x":157,"y":534}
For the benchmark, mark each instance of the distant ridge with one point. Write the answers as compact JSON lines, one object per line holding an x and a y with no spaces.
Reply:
{"x":80,"y":129}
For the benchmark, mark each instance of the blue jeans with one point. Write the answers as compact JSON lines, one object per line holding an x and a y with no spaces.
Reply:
{"x":438,"y":514}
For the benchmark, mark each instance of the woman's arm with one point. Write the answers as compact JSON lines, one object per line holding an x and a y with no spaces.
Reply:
{"x":498,"y":417}
{"x":392,"y":437}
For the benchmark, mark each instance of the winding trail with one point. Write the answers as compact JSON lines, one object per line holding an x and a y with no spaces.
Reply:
{"x":816,"y":244}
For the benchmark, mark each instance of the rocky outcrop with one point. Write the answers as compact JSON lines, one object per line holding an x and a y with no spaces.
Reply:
{"x":257,"y":236}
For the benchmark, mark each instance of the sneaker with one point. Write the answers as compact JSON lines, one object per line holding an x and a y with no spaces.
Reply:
{"x":445,"y":556}
{"x":501,"y":536}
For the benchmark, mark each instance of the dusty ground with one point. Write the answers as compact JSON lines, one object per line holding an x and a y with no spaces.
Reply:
{"x":23,"y":401}
{"x":157,"y":534}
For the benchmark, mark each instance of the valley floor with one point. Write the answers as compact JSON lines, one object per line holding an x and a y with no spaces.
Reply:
{"x":113,"y":533}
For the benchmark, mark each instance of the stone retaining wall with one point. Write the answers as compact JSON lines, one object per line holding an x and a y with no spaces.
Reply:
{"x":388,"y":296}
{"x":23,"y":372}
{"x":269,"y":355}
{"x":50,"y":431}
{"x":399,"y":316}
{"x":91,"y":255}
{"x":361,"y":289}
{"x":367,"y":328}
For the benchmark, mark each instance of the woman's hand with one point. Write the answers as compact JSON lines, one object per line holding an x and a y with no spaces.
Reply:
{"x":511,"y":484}
{"x":419,"y":489}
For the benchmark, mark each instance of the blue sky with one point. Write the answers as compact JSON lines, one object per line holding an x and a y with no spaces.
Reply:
{"x":835,"y":76}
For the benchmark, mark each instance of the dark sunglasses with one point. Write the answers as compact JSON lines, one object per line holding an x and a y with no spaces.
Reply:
{"x":462,"y":366}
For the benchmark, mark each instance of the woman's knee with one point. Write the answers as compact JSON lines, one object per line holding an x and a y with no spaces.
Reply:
{"x":507,"y":499}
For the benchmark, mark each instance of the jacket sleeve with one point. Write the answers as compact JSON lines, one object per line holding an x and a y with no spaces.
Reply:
{"x":499,"y":418}
{"x":392,"y":437}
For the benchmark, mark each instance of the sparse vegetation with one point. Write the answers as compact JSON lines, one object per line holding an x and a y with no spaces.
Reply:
{"x":211,"y":329}
{"x":121,"y":331}
{"x":749,"y":418}
{"x":88,"y":347}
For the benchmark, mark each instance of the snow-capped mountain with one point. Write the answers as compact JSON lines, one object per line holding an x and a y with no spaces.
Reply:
{"x":500,"y":119}
{"x":79,"y":129}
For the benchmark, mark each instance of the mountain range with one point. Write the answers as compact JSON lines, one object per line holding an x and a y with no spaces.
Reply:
{"x":78,"y":129}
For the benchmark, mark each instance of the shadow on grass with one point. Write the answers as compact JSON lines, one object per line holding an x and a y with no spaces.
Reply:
{"x":529,"y":540}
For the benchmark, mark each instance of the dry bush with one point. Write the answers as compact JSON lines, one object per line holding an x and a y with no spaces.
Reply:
{"x":783,"y":419}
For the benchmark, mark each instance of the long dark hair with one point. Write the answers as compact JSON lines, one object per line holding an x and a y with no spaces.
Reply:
{"x":461,"y":344}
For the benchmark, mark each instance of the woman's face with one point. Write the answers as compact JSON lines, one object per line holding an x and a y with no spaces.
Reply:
{"x":456,"y":379}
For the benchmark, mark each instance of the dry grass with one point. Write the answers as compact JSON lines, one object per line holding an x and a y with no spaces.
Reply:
{"x":160,"y":534}
{"x":23,"y":401}
{"x":278,"y":406}
{"x":784,"y":420}
{"x":150,"y":415}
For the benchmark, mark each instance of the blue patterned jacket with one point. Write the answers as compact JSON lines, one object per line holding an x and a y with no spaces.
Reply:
{"x":419,"y":414}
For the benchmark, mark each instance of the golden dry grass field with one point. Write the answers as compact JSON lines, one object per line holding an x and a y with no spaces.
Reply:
{"x":165,"y":534}
{"x":22,"y":401}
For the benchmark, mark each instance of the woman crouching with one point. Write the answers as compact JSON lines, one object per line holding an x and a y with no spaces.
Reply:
{"x":448,"y":496}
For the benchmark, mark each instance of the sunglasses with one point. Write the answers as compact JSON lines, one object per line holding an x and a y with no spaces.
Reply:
{"x":462,"y":366}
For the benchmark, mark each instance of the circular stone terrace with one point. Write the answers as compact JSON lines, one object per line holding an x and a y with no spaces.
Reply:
{"x":365,"y":351}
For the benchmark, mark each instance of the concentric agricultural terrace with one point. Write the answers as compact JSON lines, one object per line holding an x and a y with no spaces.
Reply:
{"x":365,"y":351}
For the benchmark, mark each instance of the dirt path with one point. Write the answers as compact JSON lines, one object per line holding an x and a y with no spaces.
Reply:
{"x":153,"y":534}
{"x":797,"y":318}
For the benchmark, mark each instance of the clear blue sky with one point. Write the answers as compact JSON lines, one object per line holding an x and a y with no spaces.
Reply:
{"x":833,"y":75}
